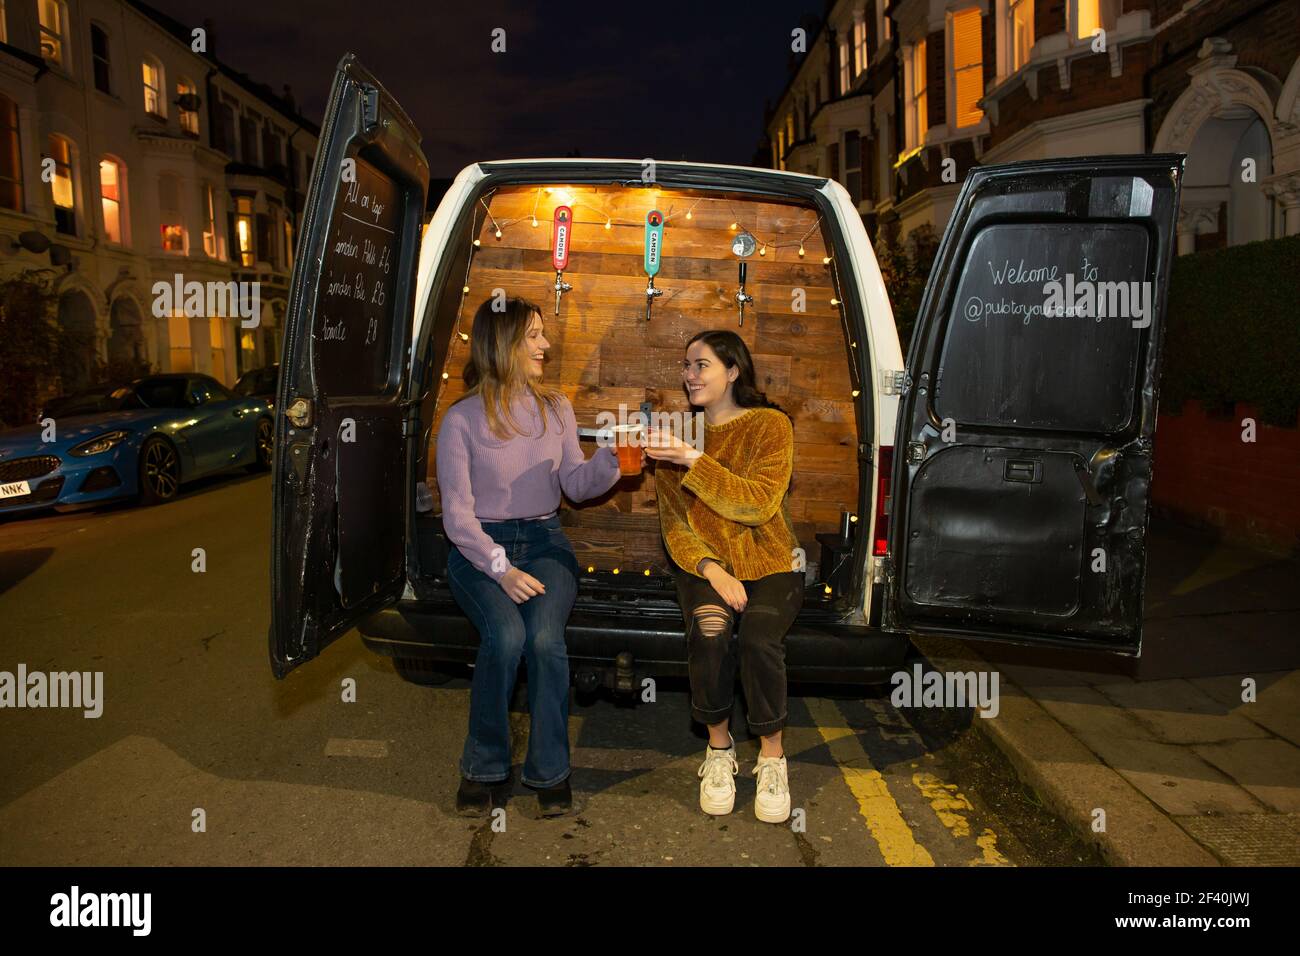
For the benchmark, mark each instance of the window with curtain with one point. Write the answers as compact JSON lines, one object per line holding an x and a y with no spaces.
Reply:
{"x":1089,"y":16}
{"x":208,"y":216}
{"x":170,"y":224}
{"x":53,"y":16}
{"x":11,"y":158}
{"x":153,"y":87}
{"x":180,"y":354}
{"x":111,"y":196}
{"x":189,"y":118}
{"x":217,"y":338}
{"x":100,"y":62}
{"x":61,"y":187}
{"x":242,"y":240}
{"x":917,"y":117}
{"x":966,"y":67}
{"x":1019,"y":33}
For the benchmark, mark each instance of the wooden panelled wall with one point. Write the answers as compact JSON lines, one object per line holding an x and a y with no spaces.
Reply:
{"x":603,"y":352}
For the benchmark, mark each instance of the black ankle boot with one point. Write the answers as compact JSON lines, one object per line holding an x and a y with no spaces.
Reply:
{"x":474,"y":799}
{"x":557,"y":800}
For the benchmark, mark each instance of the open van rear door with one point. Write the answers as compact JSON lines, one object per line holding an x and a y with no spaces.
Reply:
{"x":341,"y":459}
{"x":1023,"y":464}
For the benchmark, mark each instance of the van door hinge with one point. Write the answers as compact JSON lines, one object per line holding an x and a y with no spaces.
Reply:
{"x":895,"y":382}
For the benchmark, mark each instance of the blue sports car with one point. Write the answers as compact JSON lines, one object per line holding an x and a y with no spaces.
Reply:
{"x":143,"y":439}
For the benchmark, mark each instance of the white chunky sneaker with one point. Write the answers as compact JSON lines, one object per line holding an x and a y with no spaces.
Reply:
{"x":717,"y":783}
{"x":772,"y":803}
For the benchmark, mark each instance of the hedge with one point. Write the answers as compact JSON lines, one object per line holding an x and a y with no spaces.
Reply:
{"x":1233,"y":329}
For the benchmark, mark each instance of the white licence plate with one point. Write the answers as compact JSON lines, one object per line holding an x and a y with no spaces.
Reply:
{"x":15,"y":489}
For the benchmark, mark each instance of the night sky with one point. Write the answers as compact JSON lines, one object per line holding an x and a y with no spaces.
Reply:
{"x":624,"y":79}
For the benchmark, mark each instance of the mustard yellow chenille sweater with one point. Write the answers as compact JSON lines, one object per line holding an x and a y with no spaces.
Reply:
{"x":729,"y":505}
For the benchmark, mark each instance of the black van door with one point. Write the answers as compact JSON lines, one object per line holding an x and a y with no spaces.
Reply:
{"x":341,"y":461}
{"x":1023,"y":461}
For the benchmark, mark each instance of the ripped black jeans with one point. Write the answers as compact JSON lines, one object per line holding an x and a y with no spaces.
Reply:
{"x":774,"y":602}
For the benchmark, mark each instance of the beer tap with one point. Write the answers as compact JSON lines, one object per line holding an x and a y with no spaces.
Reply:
{"x":654,"y":240}
{"x":743,"y":246}
{"x":561,"y":239}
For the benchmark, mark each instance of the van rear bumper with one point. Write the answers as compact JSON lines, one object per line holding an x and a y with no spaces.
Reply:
{"x":830,"y":653}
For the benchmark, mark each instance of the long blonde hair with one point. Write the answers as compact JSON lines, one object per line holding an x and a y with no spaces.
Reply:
{"x":494,"y":370}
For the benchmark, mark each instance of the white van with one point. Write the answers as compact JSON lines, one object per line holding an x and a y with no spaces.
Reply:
{"x":995,"y":486}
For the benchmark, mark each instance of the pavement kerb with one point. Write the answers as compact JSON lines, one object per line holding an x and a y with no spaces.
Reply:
{"x":1071,"y":779}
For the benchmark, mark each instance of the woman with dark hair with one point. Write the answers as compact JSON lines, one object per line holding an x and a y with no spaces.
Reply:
{"x":505,"y":451}
{"x":728,"y":531}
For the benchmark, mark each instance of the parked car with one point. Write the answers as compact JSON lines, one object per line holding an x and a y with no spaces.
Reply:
{"x":104,"y":397}
{"x":259,"y":383}
{"x":1001,"y":474}
{"x":143,"y":440}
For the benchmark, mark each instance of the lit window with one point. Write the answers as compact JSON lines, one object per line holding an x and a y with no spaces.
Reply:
{"x":967,"y":66}
{"x":178,"y":334}
{"x":917,"y":117}
{"x":209,"y":218}
{"x":187,"y":96}
{"x":171,"y":227}
{"x":1088,"y":16}
{"x":244,"y":231}
{"x":844,"y":67}
{"x":11,"y":164}
{"x":217,"y":337}
{"x":859,"y":45}
{"x":882,"y":23}
{"x":153,"y":87}
{"x":1020,"y":32}
{"x":110,"y":193}
{"x":54,"y":27}
{"x":65,"y":207}
{"x":288,"y":242}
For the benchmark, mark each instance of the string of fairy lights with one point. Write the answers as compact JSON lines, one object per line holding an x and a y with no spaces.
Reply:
{"x":737,"y":225}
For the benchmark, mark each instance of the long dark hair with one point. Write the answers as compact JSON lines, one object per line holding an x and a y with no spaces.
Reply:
{"x":733,"y":351}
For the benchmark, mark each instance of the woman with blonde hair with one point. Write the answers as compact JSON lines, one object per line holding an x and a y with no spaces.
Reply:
{"x":505,"y":452}
{"x":726,"y":526}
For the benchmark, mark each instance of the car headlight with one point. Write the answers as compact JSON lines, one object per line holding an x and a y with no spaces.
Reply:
{"x":98,"y":445}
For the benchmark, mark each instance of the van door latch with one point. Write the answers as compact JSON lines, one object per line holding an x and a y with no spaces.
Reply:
{"x":895,"y":382}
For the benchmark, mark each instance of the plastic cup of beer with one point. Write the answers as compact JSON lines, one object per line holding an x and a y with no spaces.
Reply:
{"x":627,"y":442}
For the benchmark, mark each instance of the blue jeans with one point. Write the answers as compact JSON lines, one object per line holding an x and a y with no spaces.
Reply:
{"x":507,"y":631}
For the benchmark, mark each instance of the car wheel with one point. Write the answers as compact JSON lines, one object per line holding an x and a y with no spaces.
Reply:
{"x":265,"y":444}
{"x":425,"y":673}
{"x":160,"y":472}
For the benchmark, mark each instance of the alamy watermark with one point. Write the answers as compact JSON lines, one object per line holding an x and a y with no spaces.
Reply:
{"x":212,"y":299}
{"x":921,"y":688}
{"x":686,"y":426}
{"x":75,"y":689}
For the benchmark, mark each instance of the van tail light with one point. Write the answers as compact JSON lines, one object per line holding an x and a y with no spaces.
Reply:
{"x":884,"y":478}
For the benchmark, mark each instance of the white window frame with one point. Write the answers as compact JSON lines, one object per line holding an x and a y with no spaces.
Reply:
{"x":160,"y":93}
{"x":1006,"y":35}
{"x":59,"y":35}
{"x":914,"y":125}
{"x":859,"y":42}
{"x":846,"y":78}
{"x":882,"y":24}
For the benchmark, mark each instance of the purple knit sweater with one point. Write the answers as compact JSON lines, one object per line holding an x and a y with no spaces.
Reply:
{"x":483,"y":478}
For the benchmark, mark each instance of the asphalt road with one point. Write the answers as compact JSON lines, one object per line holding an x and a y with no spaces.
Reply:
{"x":201,"y":757}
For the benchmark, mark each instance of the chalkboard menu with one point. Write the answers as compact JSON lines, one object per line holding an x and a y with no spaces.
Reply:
{"x":353,"y":322}
{"x":1046,"y":327}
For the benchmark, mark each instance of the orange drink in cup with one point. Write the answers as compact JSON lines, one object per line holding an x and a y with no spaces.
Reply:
{"x":628,"y":440}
